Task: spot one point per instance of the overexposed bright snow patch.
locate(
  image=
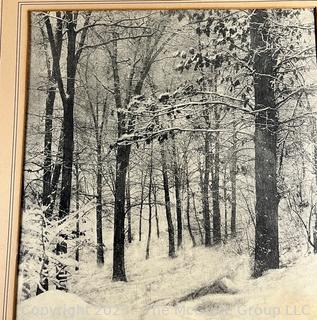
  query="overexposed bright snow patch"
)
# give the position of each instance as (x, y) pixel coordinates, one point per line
(58, 305)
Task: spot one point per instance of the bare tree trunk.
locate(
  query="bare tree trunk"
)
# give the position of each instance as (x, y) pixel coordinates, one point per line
(205, 191)
(56, 175)
(68, 142)
(47, 174)
(177, 181)
(122, 163)
(125, 125)
(266, 125)
(98, 128)
(128, 210)
(147, 256)
(68, 116)
(141, 207)
(188, 208)
(99, 224)
(49, 109)
(197, 219)
(233, 180)
(170, 227)
(156, 210)
(215, 186)
(225, 202)
(77, 209)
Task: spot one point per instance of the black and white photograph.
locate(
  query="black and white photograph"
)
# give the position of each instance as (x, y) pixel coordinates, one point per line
(170, 166)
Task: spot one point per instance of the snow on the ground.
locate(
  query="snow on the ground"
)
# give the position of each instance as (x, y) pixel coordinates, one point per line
(57, 305)
(288, 293)
(159, 279)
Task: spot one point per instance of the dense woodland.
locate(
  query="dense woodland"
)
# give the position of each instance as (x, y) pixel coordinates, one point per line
(184, 128)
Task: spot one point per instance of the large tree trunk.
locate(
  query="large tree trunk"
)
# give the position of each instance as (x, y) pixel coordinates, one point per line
(205, 191)
(68, 123)
(177, 182)
(170, 227)
(122, 163)
(215, 186)
(266, 125)
(49, 109)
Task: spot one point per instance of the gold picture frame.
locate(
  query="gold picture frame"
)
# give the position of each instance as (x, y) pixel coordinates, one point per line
(13, 80)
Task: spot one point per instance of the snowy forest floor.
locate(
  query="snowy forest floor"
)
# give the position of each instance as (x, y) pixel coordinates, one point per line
(156, 286)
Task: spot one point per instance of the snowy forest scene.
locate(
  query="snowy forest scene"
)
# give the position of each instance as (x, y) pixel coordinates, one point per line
(170, 166)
